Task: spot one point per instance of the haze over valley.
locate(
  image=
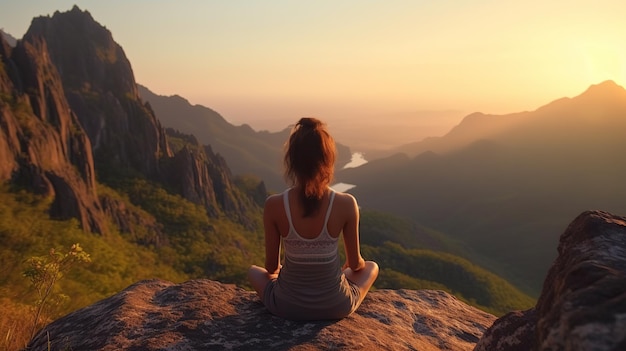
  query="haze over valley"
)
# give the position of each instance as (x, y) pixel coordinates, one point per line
(506, 186)
(464, 184)
(503, 187)
(381, 74)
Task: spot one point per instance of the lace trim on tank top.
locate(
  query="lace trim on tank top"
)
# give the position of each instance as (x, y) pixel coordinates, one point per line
(319, 250)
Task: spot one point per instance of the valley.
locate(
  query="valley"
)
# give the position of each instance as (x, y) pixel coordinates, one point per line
(154, 186)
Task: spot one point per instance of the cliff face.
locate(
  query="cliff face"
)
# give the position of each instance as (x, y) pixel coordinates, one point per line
(9, 142)
(43, 145)
(203, 177)
(70, 109)
(101, 90)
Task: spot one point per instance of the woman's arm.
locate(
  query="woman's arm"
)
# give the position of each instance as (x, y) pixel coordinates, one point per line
(272, 235)
(354, 260)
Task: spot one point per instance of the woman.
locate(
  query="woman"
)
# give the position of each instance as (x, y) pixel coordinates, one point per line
(308, 218)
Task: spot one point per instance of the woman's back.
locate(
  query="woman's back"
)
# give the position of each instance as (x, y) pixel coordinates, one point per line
(311, 226)
(311, 284)
(307, 221)
(314, 247)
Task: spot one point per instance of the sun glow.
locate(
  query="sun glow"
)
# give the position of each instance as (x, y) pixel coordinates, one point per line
(604, 62)
(265, 63)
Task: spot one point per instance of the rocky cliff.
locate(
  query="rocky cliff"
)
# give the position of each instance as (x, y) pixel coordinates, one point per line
(42, 144)
(101, 90)
(582, 307)
(583, 302)
(71, 110)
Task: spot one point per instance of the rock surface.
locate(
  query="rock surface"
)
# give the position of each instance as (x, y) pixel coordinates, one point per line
(583, 302)
(208, 315)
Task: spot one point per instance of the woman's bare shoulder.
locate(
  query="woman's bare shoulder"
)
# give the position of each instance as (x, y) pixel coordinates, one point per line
(274, 200)
(345, 199)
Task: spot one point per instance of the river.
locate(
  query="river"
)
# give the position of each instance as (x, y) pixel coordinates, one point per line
(357, 160)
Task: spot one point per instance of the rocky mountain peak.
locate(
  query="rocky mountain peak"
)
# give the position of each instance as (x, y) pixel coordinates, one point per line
(85, 53)
(100, 87)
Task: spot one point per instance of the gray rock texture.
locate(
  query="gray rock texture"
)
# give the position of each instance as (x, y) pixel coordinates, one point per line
(208, 315)
(583, 302)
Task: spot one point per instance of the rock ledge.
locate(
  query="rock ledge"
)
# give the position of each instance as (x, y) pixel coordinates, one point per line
(206, 315)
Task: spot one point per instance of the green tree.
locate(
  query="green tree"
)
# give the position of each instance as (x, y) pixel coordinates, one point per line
(43, 272)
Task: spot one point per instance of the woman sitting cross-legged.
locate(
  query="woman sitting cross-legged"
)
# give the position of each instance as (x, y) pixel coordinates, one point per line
(308, 218)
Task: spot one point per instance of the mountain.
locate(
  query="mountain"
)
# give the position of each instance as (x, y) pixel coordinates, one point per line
(42, 144)
(84, 159)
(100, 87)
(74, 132)
(506, 185)
(247, 151)
(125, 134)
(9, 38)
(481, 126)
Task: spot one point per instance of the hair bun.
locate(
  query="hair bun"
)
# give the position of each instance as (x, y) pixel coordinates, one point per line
(308, 122)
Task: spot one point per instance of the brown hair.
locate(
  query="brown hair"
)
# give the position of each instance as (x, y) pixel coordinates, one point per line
(309, 161)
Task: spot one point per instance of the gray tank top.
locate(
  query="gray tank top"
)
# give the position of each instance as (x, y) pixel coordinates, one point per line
(319, 250)
(311, 284)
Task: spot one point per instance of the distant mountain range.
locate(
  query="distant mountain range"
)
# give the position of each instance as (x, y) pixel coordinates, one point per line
(506, 186)
(247, 151)
(593, 104)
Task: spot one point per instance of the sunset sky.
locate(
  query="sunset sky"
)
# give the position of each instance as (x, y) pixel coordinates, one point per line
(259, 61)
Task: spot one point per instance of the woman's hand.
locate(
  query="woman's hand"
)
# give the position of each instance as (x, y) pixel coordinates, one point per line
(360, 265)
(274, 275)
(275, 272)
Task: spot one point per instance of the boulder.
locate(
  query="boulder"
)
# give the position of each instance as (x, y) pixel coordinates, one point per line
(208, 315)
(583, 302)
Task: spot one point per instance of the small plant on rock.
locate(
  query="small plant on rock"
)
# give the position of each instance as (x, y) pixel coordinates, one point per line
(43, 272)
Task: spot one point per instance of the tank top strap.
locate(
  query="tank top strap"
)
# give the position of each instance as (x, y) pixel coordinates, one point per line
(330, 207)
(288, 209)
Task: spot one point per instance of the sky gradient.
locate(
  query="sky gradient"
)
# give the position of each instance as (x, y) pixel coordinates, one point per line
(267, 62)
